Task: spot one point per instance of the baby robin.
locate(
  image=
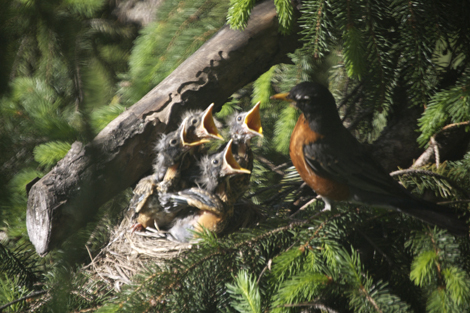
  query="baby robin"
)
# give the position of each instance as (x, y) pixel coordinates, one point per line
(209, 205)
(196, 129)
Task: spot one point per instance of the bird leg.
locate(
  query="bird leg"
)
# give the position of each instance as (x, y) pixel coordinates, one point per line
(137, 227)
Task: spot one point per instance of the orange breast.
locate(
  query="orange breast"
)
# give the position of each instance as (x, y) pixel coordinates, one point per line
(209, 220)
(145, 220)
(302, 136)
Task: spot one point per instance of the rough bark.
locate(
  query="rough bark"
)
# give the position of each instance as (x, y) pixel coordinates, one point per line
(70, 194)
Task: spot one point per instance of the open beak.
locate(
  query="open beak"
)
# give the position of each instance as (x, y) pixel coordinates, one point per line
(186, 142)
(282, 96)
(207, 128)
(230, 166)
(253, 121)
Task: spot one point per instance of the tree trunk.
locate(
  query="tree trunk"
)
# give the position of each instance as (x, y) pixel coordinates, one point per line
(70, 194)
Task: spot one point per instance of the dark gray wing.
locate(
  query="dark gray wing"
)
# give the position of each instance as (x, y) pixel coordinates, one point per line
(343, 159)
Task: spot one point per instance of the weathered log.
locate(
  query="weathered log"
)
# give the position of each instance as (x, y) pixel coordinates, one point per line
(70, 194)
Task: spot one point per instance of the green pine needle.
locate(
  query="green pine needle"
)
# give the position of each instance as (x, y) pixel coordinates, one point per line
(50, 153)
(239, 13)
(437, 302)
(102, 116)
(285, 13)
(245, 293)
(262, 88)
(299, 288)
(423, 267)
(283, 129)
(457, 285)
(451, 105)
(354, 53)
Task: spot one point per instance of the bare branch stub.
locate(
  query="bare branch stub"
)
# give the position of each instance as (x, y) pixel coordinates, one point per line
(68, 196)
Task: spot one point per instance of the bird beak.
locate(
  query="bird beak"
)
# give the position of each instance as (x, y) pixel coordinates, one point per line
(253, 121)
(282, 96)
(186, 142)
(208, 129)
(230, 165)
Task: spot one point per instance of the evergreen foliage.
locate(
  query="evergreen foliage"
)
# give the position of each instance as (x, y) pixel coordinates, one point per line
(448, 105)
(181, 27)
(50, 153)
(245, 293)
(239, 13)
(71, 68)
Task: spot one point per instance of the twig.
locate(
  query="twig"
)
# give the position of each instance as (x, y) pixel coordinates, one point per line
(455, 125)
(426, 156)
(101, 251)
(435, 147)
(34, 294)
(282, 165)
(429, 173)
(271, 166)
(270, 261)
(454, 201)
(93, 262)
(151, 234)
(370, 299)
(305, 205)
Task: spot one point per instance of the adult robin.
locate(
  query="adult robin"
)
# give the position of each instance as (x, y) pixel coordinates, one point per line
(338, 168)
(196, 129)
(211, 204)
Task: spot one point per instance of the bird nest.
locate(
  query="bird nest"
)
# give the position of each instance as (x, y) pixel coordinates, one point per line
(128, 253)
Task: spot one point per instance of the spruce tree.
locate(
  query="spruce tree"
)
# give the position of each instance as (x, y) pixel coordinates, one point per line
(381, 60)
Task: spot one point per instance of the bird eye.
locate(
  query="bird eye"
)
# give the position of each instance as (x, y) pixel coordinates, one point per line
(173, 142)
(194, 121)
(215, 162)
(239, 118)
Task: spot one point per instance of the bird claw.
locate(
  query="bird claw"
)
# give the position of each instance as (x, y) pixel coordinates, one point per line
(137, 227)
(156, 226)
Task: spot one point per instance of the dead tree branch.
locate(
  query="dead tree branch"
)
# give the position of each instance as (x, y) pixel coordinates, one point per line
(70, 194)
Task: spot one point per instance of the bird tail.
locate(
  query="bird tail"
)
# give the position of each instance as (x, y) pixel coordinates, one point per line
(431, 213)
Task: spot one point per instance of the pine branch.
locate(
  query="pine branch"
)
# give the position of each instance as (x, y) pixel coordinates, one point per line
(412, 171)
(32, 295)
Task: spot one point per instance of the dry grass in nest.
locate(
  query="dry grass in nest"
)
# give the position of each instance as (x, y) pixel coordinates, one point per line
(128, 253)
